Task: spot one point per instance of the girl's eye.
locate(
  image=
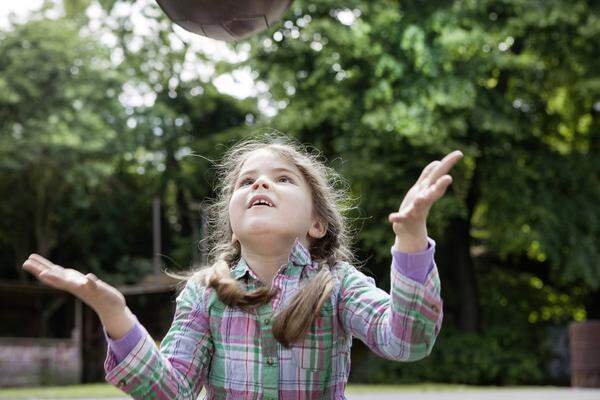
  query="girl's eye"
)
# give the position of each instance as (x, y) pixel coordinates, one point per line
(243, 182)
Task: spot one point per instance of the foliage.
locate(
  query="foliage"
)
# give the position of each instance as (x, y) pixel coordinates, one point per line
(59, 118)
(498, 357)
(95, 155)
(92, 131)
(514, 348)
(391, 85)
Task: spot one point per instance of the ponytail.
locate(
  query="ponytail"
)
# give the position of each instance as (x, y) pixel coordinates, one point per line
(330, 203)
(291, 323)
(229, 291)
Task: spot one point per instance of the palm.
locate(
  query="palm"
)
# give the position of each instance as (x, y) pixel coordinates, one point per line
(430, 186)
(91, 290)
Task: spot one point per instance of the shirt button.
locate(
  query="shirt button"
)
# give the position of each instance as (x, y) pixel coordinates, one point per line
(267, 321)
(434, 308)
(270, 361)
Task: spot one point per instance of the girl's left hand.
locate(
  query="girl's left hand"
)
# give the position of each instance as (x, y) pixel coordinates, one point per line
(409, 221)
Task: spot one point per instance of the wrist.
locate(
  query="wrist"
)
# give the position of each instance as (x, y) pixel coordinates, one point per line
(106, 312)
(411, 244)
(118, 323)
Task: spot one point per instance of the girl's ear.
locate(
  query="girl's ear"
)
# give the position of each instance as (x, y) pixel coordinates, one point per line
(318, 229)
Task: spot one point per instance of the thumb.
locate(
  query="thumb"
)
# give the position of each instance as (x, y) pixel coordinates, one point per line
(91, 280)
(394, 217)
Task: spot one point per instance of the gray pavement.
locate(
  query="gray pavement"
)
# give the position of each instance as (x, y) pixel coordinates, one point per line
(501, 394)
(490, 394)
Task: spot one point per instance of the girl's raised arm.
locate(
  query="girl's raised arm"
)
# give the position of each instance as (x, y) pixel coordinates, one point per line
(175, 371)
(404, 324)
(104, 299)
(401, 325)
(179, 369)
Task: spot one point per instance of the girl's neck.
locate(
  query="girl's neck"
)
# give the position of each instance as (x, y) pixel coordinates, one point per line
(266, 258)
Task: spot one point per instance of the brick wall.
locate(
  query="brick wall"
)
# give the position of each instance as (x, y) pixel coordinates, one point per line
(36, 362)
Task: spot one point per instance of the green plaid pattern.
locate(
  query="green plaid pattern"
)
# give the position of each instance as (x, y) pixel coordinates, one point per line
(233, 354)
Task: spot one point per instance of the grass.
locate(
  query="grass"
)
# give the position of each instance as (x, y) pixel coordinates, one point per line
(52, 392)
(102, 390)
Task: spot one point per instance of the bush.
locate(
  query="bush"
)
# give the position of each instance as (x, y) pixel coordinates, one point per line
(502, 356)
(517, 344)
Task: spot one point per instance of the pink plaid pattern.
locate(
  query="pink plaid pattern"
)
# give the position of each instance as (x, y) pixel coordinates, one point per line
(233, 354)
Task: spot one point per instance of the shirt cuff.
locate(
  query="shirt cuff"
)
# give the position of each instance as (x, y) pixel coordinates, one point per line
(122, 347)
(415, 265)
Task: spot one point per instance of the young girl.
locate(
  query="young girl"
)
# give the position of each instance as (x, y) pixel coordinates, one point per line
(274, 315)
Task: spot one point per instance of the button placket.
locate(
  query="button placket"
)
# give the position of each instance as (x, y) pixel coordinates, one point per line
(270, 371)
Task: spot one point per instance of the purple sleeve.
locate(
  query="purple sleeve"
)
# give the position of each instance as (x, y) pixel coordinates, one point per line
(122, 347)
(415, 265)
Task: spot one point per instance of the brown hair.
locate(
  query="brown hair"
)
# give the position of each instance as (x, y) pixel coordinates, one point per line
(330, 204)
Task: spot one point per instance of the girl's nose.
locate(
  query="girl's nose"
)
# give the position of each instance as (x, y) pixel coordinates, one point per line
(260, 181)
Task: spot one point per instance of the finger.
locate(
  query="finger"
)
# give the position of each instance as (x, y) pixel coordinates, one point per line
(403, 215)
(427, 171)
(442, 169)
(48, 276)
(424, 198)
(436, 189)
(433, 193)
(52, 278)
(45, 262)
(68, 279)
(423, 201)
(33, 266)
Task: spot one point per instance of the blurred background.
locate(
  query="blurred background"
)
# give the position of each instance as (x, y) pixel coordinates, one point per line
(110, 115)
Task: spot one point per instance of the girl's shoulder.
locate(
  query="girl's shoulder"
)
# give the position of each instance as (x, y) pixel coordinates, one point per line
(196, 292)
(343, 271)
(347, 275)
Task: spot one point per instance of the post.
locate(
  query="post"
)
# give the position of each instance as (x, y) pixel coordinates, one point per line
(77, 337)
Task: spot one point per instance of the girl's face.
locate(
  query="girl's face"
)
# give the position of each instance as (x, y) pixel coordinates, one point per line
(266, 174)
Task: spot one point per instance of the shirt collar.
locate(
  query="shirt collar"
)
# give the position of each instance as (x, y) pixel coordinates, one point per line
(299, 256)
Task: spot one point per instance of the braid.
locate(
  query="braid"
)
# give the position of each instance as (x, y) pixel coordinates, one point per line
(293, 322)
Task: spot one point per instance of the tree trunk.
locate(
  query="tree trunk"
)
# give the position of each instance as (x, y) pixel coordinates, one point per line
(457, 244)
(184, 211)
(460, 267)
(45, 235)
(21, 243)
(592, 305)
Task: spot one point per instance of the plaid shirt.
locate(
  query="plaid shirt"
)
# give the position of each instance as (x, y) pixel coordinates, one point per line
(234, 355)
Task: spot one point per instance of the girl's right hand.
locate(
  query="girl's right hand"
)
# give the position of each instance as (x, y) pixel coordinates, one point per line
(100, 296)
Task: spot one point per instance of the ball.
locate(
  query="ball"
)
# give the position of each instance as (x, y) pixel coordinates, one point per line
(227, 20)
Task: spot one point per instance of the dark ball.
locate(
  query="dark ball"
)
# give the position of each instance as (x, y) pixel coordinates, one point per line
(226, 20)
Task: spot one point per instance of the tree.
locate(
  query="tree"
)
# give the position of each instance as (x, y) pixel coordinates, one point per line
(59, 118)
(390, 85)
(97, 154)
